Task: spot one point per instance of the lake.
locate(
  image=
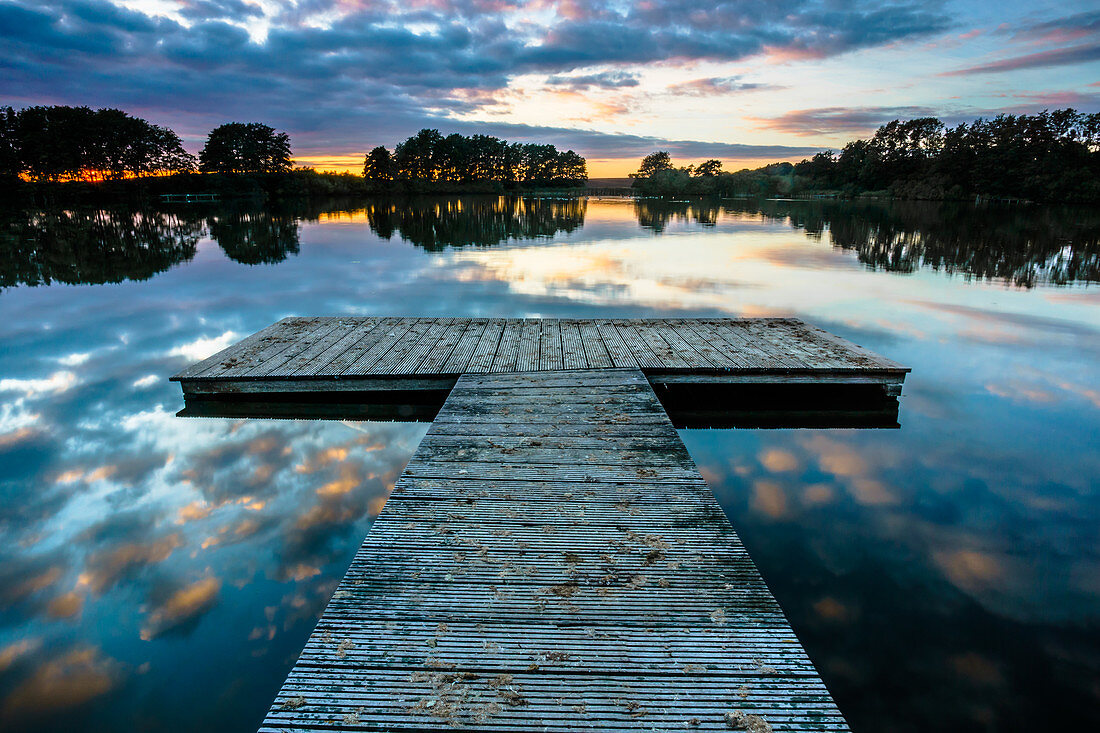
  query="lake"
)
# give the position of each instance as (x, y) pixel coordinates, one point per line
(162, 573)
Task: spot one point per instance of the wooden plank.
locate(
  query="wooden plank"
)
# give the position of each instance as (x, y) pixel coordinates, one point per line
(356, 346)
(550, 346)
(306, 342)
(243, 361)
(639, 349)
(434, 338)
(748, 347)
(422, 328)
(621, 355)
(302, 362)
(486, 347)
(687, 346)
(440, 353)
(572, 350)
(328, 362)
(464, 350)
(545, 564)
(595, 350)
(373, 352)
(508, 350)
(527, 359)
(669, 356)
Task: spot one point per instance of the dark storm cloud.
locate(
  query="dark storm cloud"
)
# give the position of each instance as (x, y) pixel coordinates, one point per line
(381, 70)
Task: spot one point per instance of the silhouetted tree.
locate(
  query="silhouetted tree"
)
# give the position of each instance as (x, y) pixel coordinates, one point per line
(653, 164)
(238, 147)
(707, 168)
(77, 143)
(10, 165)
(427, 160)
(417, 159)
(378, 165)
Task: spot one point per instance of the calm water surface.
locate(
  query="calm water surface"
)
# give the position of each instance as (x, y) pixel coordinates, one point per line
(162, 573)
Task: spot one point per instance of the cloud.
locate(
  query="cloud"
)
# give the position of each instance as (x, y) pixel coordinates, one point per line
(602, 80)
(71, 679)
(837, 120)
(1057, 30)
(1041, 59)
(715, 85)
(182, 609)
(108, 567)
(203, 347)
(56, 383)
(343, 76)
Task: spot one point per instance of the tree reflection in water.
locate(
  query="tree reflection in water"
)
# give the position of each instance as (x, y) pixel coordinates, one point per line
(1023, 246)
(436, 223)
(93, 247)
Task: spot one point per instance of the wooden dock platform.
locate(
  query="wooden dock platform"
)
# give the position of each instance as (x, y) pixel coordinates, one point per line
(366, 353)
(550, 559)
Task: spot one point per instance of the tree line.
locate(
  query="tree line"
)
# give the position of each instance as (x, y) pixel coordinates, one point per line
(60, 143)
(1050, 156)
(49, 144)
(428, 160)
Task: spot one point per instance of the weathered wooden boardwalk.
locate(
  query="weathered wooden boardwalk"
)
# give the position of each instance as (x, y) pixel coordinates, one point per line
(363, 353)
(550, 559)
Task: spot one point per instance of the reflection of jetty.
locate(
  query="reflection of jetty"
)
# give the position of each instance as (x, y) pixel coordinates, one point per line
(189, 198)
(551, 558)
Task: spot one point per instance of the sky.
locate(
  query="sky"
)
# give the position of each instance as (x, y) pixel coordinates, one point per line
(745, 82)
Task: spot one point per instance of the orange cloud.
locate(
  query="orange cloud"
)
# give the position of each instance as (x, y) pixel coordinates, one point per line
(777, 460)
(182, 606)
(194, 510)
(12, 653)
(70, 680)
(831, 609)
(970, 570)
(106, 568)
(769, 498)
(66, 605)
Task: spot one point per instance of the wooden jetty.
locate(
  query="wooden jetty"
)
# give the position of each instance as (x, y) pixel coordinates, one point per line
(189, 198)
(550, 559)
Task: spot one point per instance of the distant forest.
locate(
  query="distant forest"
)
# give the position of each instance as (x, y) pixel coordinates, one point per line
(1051, 156)
(105, 153)
(428, 159)
(59, 144)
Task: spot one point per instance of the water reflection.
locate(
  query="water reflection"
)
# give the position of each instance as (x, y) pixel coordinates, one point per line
(438, 223)
(254, 234)
(1024, 246)
(943, 576)
(93, 247)
(96, 246)
(1021, 245)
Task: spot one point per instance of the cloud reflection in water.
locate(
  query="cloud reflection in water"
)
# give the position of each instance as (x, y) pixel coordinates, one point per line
(948, 568)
